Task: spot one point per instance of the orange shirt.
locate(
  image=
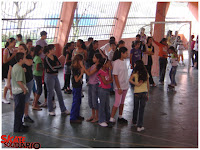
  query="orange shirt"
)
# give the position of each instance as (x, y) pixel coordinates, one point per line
(162, 50)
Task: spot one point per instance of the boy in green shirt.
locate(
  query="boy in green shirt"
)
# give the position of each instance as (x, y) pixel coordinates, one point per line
(19, 90)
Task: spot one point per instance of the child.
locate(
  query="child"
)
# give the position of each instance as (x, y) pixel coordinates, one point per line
(135, 53)
(105, 78)
(180, 49)
(52, 64)
(121, 84)
(163, 54)
(140, 93)
(19, 90)
(37, 73)
(174, 63)
(93, 86)
(77, 74)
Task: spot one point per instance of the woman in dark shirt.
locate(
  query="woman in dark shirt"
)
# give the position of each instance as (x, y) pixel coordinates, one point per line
(52, 64)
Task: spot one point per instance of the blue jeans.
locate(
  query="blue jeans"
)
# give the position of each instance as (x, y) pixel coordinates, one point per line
(172, 74)
(163, 65)
(19, 111)
(28, 94)
(52, 84)
(104, 105)
(75, 111)
(93, 96)
(139, 105)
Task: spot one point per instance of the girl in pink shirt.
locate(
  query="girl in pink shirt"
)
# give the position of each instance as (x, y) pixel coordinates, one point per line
(105, 78)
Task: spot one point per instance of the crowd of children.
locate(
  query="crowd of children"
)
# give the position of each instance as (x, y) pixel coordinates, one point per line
(107, 73)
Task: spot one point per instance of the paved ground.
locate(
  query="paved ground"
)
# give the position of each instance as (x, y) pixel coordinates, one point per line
(170, 120)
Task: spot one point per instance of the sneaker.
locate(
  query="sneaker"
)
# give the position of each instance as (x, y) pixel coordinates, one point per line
(103, 124)
(5, 101)
(76, 121)
(52, 113)
(28, 119)
(66, 112)
(39, 103)
(122, 120)
(140, 129)
(112, 120)
(81, 118)
(22, 129)
(11, 97)
(63, 88)
(43, 104)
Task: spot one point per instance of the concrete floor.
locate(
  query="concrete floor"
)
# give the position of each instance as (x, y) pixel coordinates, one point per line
(170, 120)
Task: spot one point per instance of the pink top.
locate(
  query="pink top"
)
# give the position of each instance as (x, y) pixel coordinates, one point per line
(93, 79)
(192, 45)
(106, 75)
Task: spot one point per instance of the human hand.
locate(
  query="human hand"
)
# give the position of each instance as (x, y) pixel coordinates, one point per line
(25, 91)
(24, 69)
(120, 91)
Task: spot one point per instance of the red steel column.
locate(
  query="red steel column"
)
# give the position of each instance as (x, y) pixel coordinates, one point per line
(193, 6)
(121, 15)
(66, 19)
(159, 31)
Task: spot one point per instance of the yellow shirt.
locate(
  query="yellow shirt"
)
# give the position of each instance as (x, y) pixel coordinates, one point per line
(143, 87)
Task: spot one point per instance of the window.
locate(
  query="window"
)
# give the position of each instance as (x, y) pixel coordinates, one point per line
(140, 15)
(93, 19)
(29, 19)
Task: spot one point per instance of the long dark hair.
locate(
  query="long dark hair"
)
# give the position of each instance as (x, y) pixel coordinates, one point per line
(82, 43)
(10, 40)
(91, 46)
(48, 48)
(117, 53)
(76, 59)
(141, 70)
(149, 37)
(65, 48)
(102, 61)
(99, 57)
(120, 42)
(163, 40)
(37, 49)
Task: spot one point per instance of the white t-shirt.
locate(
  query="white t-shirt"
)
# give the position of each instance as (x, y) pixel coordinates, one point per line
(106, 48)
(120, 68)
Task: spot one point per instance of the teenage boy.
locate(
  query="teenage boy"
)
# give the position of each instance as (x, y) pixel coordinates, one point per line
(19, 90)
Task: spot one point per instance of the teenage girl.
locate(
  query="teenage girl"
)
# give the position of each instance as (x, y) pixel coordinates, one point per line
(37, 74)
(121, 84)
(77, 74)
(105, 78)
(52, 64)
(93, 86)
(68, 56)
(8, 54)
(148, 61)
(140, 93)
(163, 54)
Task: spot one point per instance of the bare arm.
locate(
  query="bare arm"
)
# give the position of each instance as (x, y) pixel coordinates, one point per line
(22, 87)
(135, 83)
(5, 59)
(104, 80)
(77, 78)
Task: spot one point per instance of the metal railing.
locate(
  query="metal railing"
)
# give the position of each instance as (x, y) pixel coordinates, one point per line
(29, 19)
(93, 19)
